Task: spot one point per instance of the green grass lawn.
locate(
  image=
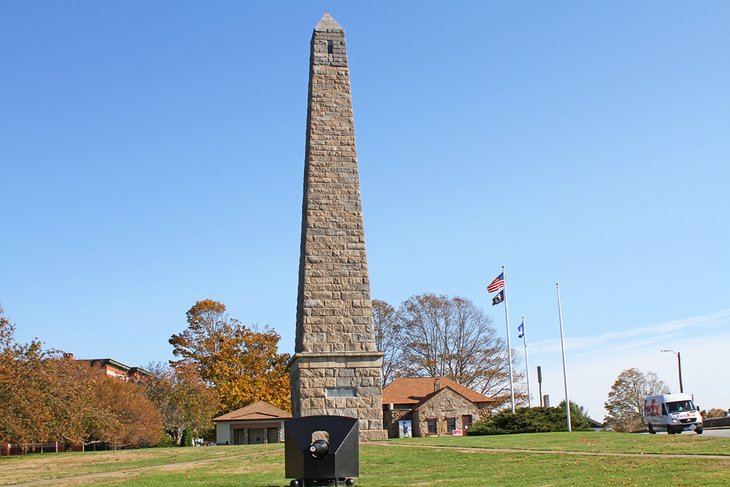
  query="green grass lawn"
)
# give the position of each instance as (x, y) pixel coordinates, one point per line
(401, 463)
(590, 441)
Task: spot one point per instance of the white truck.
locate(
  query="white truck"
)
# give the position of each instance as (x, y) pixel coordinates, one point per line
(673, 412)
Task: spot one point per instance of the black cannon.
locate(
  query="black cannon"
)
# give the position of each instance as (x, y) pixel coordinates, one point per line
(322, 451)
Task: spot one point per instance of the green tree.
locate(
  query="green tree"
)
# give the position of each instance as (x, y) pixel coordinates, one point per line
(625, 404)
(187, 438)
(241, 363)
(578, 416)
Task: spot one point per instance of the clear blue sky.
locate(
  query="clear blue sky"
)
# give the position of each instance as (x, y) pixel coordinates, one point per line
(151, 155)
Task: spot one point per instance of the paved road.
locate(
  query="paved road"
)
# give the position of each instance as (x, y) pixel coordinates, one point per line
(719, 432)
(722, 432)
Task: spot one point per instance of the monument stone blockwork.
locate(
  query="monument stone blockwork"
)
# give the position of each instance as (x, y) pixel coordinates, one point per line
(336, 368)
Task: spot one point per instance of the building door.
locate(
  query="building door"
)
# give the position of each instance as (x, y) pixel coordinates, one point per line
(273, 435)
(466, 422)
(256, 436)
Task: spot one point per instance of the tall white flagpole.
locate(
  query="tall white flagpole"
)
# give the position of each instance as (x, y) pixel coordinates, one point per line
(509, 344)
(565, 371)
(527, 364)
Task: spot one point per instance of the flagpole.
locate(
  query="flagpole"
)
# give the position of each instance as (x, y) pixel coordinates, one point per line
(527, 364)
(565, 372)
(509, 344)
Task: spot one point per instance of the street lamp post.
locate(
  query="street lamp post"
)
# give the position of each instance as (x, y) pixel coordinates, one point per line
(679, 366)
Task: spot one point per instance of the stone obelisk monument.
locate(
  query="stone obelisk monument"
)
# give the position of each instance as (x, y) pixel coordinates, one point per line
(336, 368)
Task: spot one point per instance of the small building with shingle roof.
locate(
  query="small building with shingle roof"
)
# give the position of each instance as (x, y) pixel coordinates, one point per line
(256, 423)
(431, 406)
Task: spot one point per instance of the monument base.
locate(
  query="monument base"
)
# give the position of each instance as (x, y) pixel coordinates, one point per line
(340, 384)
(373, 435)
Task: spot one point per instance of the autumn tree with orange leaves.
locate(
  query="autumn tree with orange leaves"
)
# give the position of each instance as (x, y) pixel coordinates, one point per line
(47, 396)
(185, 402)
(241, 363)
(23, 401)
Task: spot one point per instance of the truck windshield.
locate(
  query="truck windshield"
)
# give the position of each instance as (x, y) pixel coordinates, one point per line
(680, 406)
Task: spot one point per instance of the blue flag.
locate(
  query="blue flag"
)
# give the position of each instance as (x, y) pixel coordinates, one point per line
(521, 329)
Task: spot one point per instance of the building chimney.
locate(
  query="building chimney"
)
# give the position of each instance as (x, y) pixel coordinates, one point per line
(436, 385)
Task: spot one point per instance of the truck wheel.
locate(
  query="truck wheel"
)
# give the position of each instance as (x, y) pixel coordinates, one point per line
(651, 429)
(670, 430)
(698, 431)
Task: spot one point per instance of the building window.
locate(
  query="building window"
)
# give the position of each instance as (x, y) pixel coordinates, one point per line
(330, 47)
(431, 426)
(450, 424)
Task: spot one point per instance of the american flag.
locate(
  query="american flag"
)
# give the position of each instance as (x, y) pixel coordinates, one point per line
(497, 283)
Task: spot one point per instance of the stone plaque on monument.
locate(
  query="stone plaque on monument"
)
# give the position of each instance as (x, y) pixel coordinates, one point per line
(336, 368)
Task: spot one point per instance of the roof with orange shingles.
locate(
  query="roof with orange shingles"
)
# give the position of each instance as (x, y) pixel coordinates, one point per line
(256, 411)
(414, 390)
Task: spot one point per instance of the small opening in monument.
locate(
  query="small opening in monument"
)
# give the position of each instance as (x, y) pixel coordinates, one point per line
(330, 47)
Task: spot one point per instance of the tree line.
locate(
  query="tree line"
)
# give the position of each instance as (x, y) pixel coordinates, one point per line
(221, 365)
(47, 396)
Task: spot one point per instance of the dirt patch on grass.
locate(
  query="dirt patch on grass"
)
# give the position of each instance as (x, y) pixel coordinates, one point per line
(56, 466)
(125, 473)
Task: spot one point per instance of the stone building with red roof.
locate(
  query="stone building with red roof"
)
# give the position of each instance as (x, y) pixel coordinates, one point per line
(256, 423)
(428, 406)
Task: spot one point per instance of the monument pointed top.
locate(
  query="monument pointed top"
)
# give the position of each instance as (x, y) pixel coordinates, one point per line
(328, 24)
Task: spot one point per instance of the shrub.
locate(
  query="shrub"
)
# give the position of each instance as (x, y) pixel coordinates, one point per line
(531, 420)
(713, 413)
(166, 441)
(187, 438)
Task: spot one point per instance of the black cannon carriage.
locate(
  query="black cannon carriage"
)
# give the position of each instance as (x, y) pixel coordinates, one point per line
(322, 451)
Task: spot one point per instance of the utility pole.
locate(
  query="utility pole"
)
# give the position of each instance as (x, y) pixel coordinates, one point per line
(565, 371)
(679, 367)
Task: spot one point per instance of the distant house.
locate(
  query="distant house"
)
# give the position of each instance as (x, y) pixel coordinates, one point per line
(427, 406)
(595, 424)
(118, 370)
(256, 423)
